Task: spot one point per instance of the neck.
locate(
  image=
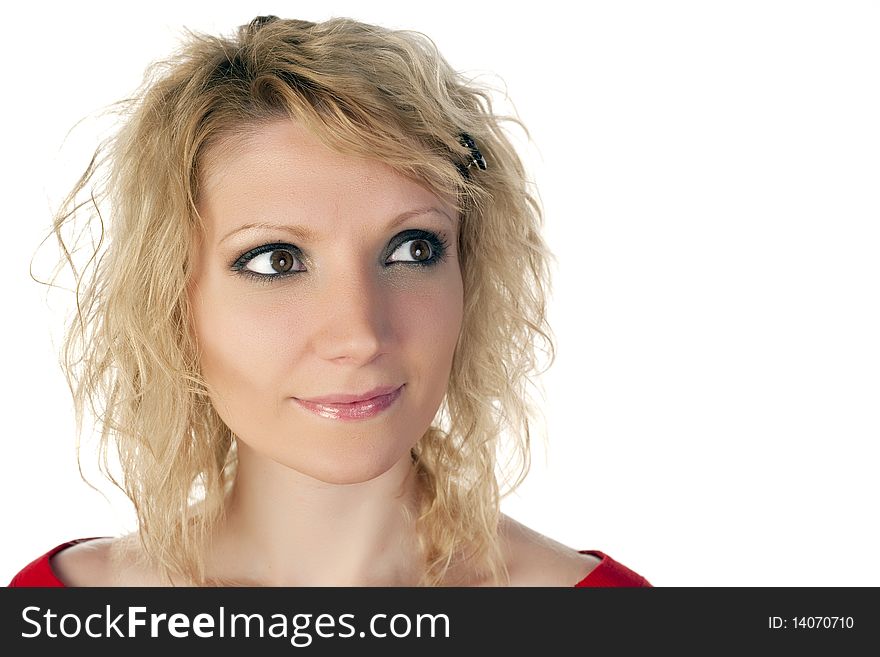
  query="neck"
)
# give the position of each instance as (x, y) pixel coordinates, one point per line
(284, 528)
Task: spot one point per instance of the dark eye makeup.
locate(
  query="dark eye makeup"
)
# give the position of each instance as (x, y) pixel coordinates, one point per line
(284, 260)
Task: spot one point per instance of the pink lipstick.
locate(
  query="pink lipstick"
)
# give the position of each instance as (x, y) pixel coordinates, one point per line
(331, 408)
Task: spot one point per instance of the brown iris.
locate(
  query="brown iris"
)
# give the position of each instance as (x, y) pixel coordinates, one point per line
(420, 250)
(281, 261)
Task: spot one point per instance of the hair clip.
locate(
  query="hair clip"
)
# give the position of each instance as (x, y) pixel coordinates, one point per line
(476, 156)
(260, 21)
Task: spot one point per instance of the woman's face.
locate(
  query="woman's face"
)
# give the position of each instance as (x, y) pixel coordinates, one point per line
(323, 274)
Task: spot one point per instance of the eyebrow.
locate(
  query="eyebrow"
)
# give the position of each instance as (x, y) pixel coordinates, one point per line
(304, 234)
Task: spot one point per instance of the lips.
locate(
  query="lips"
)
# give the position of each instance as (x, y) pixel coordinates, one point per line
(356, 410)
(343, 398)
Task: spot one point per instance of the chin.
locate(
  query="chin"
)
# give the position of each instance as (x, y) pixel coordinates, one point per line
(352, 468)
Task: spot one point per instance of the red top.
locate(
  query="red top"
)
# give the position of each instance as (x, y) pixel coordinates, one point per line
(608, 573)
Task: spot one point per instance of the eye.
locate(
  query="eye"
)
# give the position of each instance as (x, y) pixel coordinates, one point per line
(269, 260)
(278, 261)
(417, 250)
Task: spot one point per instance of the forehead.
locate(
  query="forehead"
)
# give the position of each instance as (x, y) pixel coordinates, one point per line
(280, 172)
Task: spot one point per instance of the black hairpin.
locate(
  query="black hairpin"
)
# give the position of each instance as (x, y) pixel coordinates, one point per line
(476, 156)
(260, 21)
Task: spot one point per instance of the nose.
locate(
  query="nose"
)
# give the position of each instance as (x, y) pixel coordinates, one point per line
(355, 325)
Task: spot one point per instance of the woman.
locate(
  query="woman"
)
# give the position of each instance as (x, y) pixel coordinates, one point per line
(312, 323)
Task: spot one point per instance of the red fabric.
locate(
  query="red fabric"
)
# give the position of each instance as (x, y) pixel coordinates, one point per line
(610, 573)
(38, 573)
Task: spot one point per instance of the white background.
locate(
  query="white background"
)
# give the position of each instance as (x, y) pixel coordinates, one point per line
(709, 173)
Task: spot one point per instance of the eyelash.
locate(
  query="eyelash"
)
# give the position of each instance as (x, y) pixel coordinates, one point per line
(437, 241)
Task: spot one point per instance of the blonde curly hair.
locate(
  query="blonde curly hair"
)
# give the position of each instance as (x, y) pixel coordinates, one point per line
(130, 352)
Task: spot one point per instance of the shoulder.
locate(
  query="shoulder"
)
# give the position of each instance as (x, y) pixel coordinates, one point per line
(86, 562)
(41, 571)
(536, 560)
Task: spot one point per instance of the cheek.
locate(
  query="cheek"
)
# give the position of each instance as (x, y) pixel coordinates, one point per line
(436, 319)
(428, 322)
(239, 337)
